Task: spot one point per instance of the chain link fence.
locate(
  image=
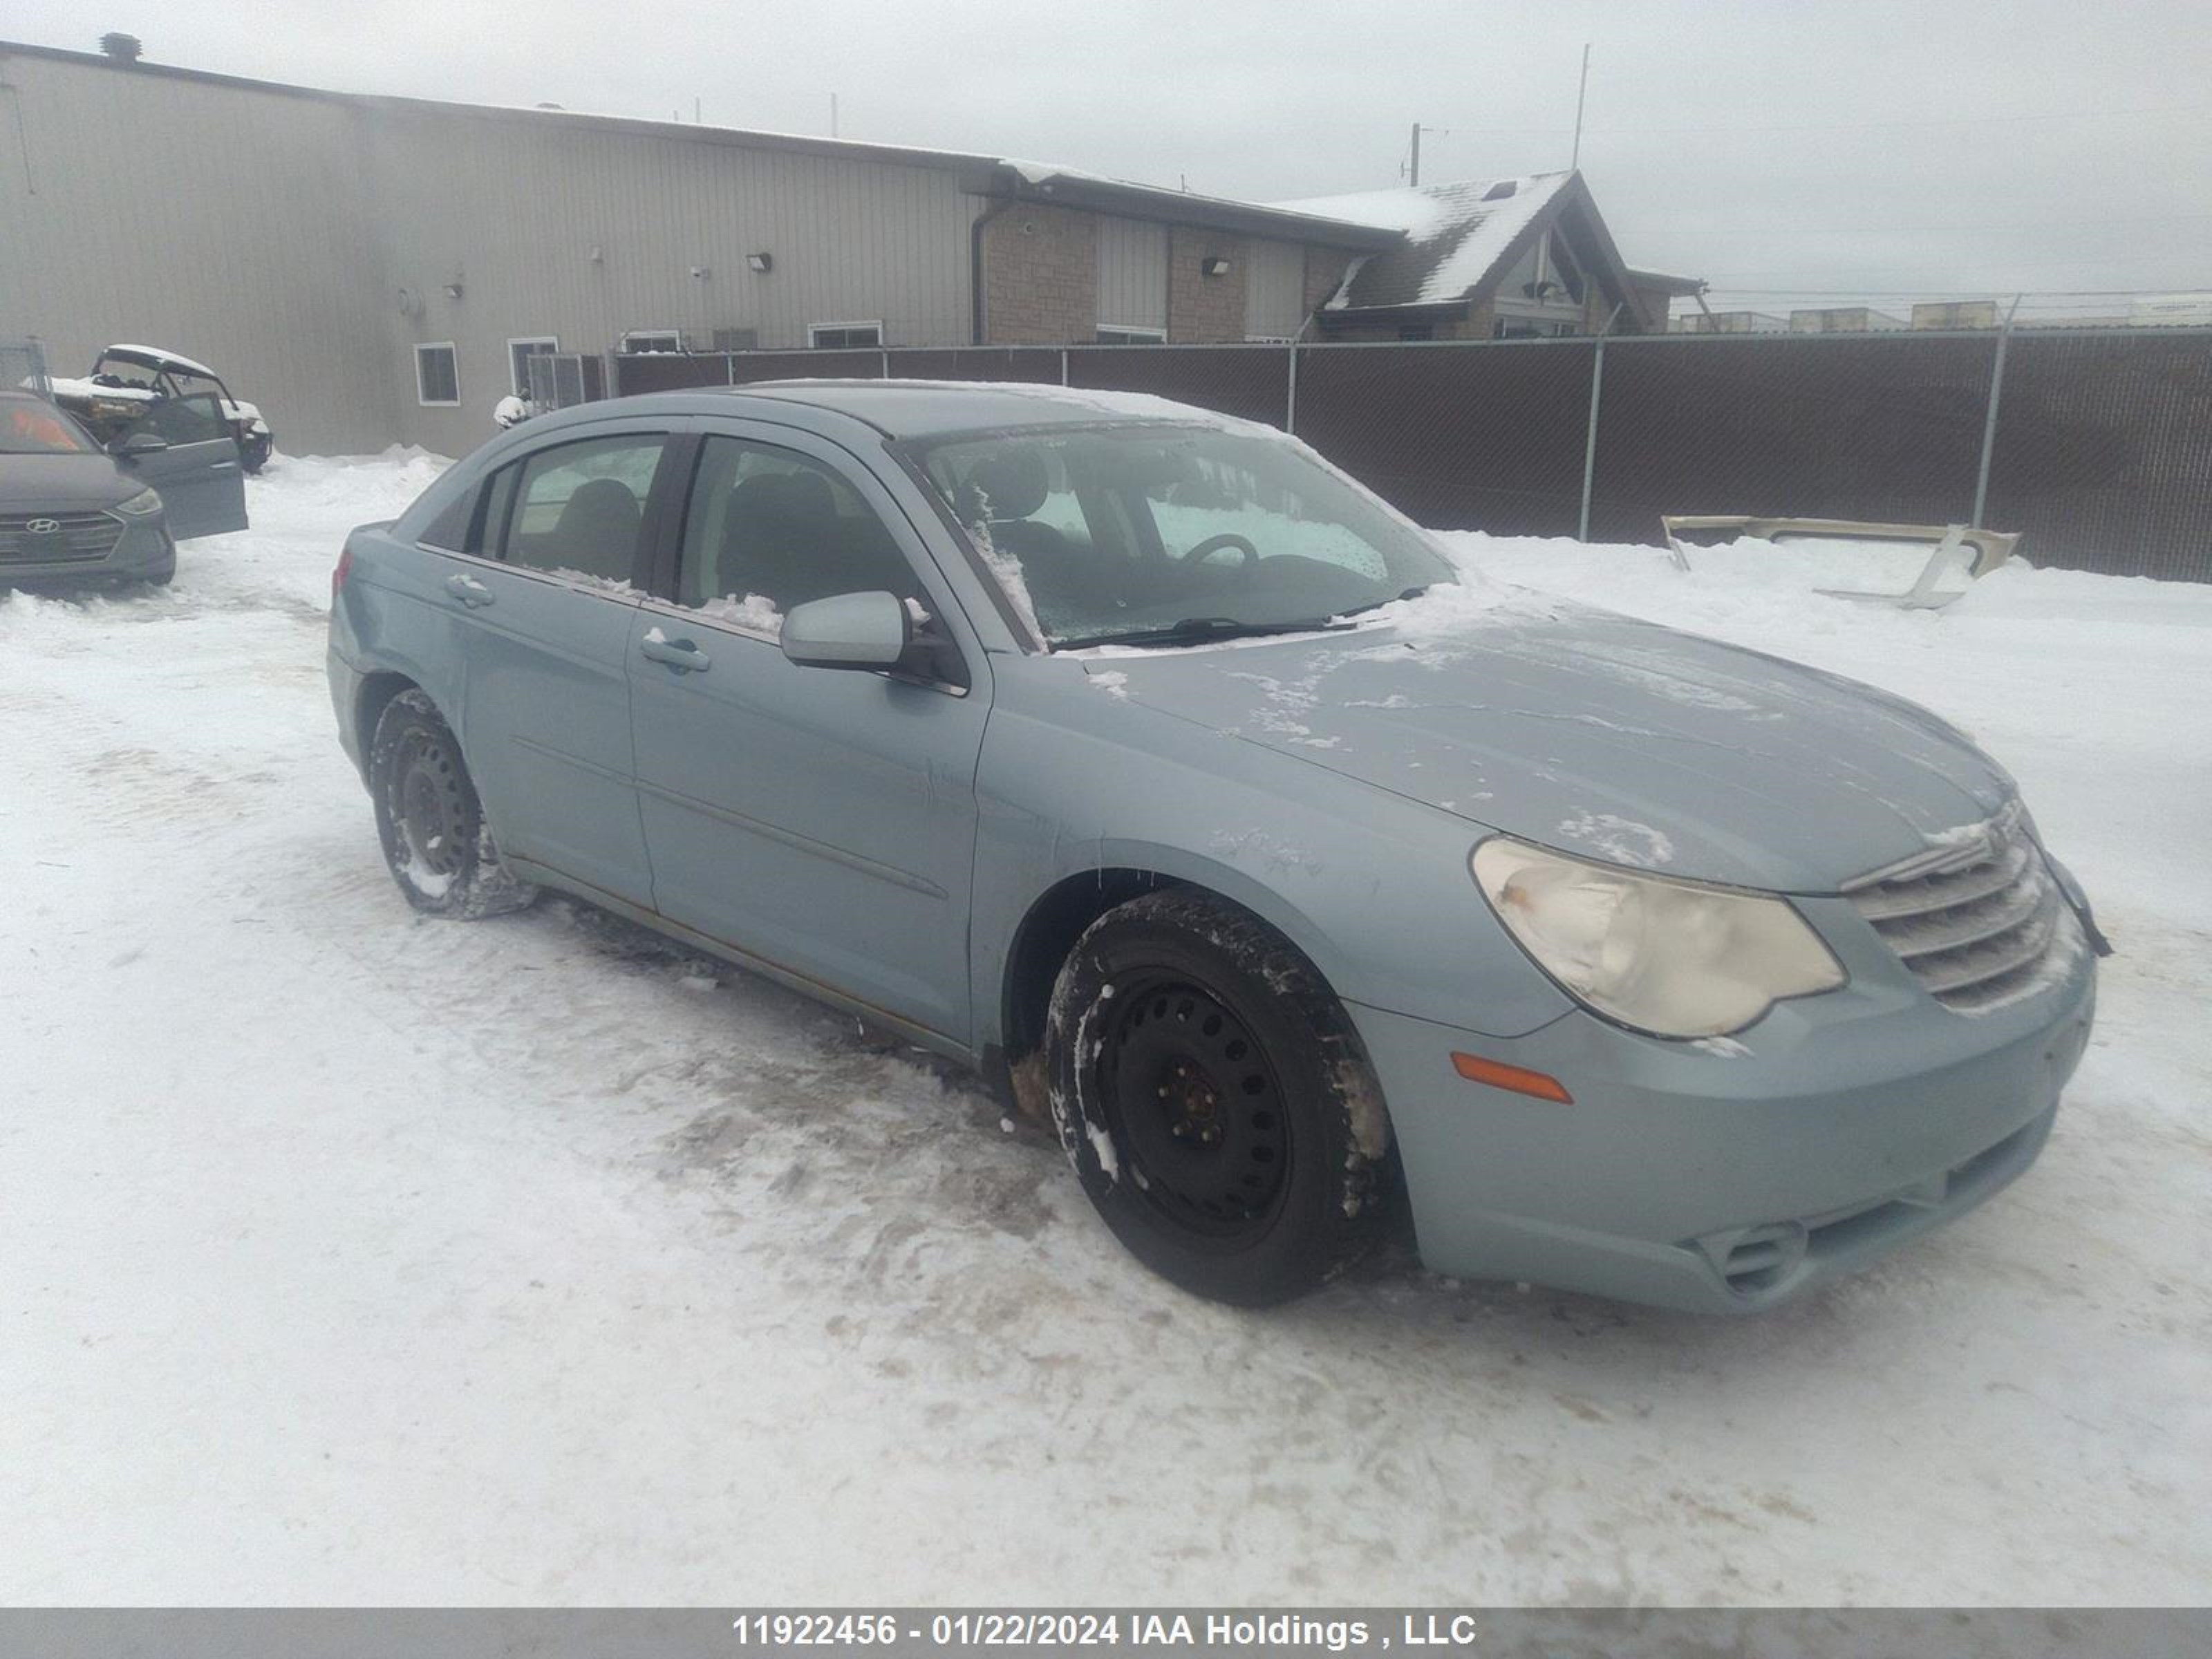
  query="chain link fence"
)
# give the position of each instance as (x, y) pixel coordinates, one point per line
(23, 367)
(2095, 443)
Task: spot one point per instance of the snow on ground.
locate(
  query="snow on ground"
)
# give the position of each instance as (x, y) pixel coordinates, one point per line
(353, 1257)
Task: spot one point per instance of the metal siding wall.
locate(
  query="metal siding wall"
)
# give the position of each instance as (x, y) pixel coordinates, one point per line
(1275, 288)
(271, 234)
(850, 241)
(1133, 273)
(216, 222)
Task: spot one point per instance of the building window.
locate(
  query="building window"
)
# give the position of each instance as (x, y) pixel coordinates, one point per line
(1126, 334)
(664, 342)
(437, 375)
(1417, 330)
(838, 336)
(518, 353)
(1524, 328)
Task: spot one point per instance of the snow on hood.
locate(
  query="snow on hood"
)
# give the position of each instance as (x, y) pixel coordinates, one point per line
(1596, 734)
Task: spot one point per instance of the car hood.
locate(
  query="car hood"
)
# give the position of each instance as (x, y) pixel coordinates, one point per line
(62, 482)
(1596, 734)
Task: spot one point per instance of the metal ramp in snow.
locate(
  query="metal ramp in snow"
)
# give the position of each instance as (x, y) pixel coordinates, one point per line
(1958, 555)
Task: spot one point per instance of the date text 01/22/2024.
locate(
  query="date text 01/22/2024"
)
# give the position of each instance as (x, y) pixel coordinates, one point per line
(1232, 1630)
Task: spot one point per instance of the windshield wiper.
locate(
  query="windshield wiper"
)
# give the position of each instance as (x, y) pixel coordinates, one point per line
(1193, 631)
(1376, 604)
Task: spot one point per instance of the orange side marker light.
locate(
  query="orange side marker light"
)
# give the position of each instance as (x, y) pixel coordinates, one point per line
(1520, 1080)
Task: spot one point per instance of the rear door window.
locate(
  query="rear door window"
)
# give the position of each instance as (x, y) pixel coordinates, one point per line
(578, 510)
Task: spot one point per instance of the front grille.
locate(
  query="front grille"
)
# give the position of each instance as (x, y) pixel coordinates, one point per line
(74, 536)
(1976, 919)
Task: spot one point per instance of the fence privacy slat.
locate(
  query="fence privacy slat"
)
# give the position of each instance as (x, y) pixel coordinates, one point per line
(2102, 454)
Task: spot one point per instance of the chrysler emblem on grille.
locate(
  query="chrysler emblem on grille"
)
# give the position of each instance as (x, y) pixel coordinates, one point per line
(43, 527)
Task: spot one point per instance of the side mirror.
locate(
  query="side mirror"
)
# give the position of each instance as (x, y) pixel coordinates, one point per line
(847, 630)
(140, 443)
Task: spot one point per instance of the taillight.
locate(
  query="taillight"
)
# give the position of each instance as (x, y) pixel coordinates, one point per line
(339, 571)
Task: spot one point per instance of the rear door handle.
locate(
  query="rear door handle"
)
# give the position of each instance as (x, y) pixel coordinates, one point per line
(677, 653)
(469, 590)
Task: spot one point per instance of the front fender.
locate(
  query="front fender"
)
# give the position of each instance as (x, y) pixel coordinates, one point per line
(1373, 887)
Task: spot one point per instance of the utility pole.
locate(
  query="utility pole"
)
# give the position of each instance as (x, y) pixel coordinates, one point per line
(1581, 91)
(833, 115)
(1413, 166)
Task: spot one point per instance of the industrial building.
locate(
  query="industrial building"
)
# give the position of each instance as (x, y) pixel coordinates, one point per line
(373, 269)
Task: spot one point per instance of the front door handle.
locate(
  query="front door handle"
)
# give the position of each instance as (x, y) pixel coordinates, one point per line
(469, 590)
(680, 655)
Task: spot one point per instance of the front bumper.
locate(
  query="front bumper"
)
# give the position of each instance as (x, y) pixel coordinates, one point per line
(1717, 1181)
(142, 549)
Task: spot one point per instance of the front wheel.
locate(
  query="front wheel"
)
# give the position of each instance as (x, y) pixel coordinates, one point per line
(436, 840)
(1215, 1100)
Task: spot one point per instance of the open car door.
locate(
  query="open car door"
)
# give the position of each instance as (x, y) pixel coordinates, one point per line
(183, 447)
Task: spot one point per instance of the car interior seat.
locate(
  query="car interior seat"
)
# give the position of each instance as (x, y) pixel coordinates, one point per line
(783, 539)
(597, 531)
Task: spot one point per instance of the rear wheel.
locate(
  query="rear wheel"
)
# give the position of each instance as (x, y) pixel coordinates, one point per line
(1214, 1099)
(436, 841)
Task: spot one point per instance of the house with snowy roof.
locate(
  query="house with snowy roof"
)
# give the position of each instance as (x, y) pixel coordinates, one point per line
(1488, 259)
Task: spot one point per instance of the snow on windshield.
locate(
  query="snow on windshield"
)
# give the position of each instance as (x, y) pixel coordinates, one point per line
(1104, 532)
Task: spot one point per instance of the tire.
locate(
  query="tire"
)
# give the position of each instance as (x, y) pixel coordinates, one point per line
(1215, 1100)
(436, 842)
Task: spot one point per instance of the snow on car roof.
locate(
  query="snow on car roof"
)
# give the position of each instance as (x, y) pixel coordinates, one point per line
(160, 357)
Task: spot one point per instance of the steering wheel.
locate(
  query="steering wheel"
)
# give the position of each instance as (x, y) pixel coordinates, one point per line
(1188, 566)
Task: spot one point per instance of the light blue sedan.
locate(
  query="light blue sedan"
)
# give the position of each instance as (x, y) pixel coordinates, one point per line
(1144, 762)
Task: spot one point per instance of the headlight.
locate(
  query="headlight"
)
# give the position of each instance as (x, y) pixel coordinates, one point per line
(1675, 958)
(140, 505)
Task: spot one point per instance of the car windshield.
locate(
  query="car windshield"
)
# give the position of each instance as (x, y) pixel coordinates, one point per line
(1158, 534)
(29, 428)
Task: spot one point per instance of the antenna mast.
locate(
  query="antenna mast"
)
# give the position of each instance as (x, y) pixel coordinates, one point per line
(1411, 168)
(1581, 91)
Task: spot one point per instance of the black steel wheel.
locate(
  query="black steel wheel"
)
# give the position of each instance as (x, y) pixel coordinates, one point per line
(1212, 1096)
(1185, 1086)
(436, 841)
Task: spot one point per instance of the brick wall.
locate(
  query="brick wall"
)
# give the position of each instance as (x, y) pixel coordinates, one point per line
(1040, 275)
(1041, 279)
(1200, 307)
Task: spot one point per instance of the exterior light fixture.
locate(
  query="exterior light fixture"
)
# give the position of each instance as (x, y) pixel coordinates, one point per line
(452, 290)
(760, 262)
(1213, 265)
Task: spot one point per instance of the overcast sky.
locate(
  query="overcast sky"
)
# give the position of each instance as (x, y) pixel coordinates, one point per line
(1789, 147)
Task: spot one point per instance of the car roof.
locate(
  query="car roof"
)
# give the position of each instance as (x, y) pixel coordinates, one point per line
(925, 409)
